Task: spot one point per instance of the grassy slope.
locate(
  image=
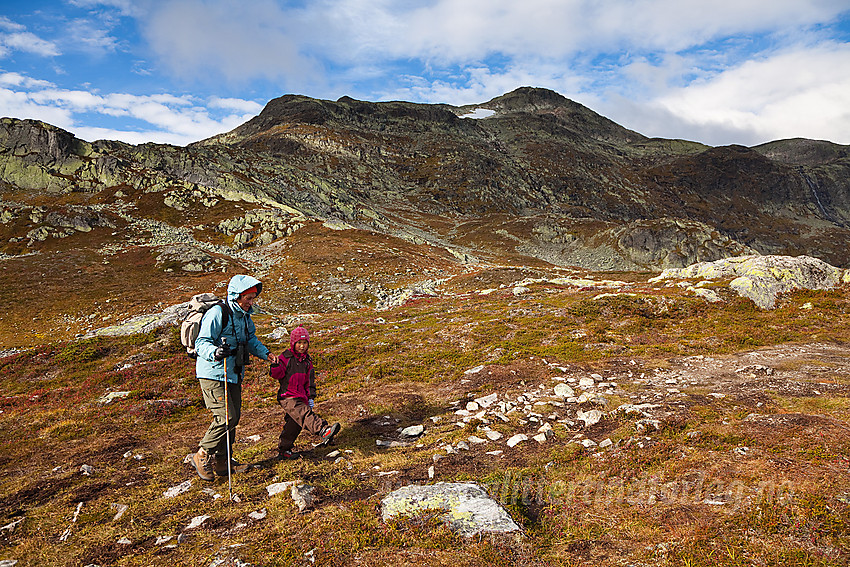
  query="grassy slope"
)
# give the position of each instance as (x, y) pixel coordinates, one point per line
(409, 367)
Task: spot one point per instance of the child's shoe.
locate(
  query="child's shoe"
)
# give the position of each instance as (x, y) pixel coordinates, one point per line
(329, 432)
(287, 455)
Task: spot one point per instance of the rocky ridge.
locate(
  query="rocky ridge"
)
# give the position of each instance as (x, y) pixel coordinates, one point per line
(540, 177)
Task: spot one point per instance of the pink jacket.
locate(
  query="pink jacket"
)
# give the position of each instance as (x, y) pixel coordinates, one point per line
(295, 374)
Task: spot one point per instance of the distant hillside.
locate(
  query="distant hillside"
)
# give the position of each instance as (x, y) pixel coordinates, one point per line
(541, 180)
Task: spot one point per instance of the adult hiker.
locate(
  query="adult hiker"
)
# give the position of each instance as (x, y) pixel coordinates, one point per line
(225, 341)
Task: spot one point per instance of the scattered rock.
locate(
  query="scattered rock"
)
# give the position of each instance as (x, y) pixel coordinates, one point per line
(589, 418)
(564, 391)
(197, 522)
(517, 439)
(259, 514)
(10, 528)
(112, 396)
(278, 487)
(303, 496)
(87, 470)
(413, 431)
(121, 508)
(386, 443)
(755, 370)
(178, 490)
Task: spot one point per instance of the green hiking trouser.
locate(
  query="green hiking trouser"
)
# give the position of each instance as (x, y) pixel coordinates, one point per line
(215, 439)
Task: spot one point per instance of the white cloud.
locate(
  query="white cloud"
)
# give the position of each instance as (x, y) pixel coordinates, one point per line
(247, 106)
(126, 7)
(9, 25)
(457, 32)
(18, 80)
(85, 35)
(796, 93)
(234, 40)
(28, 42)
(171, 119)
(20, 105)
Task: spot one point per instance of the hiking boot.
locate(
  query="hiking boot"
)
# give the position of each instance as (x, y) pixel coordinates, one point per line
(235, 466)
(329, 432)
(204, 463)
(287, 455)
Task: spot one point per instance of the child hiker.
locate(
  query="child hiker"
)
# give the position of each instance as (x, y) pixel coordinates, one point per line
(294, 370)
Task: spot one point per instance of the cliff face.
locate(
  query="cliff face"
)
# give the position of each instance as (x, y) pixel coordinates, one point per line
(541, 176)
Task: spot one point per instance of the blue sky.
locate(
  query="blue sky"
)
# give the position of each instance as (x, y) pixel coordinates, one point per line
(177, 71)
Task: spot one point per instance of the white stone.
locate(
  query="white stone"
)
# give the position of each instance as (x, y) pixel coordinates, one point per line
(472, 407)
(413, 431)
(124, 541)
(475, 370)
(495, 453)
(588, 443)
(476, 440)
(589, 418)
(469, 509)
(278, 487)
(163, 539)
(606, 443)
(586, 382)
(431, 471)
(259, 514)
(112, 396)
(177, 490)
(462, 446)
(516, 439)
(487, 401)
(564, 391)
(302, 495)
(584, 398)
(197, 522)
(494, 435)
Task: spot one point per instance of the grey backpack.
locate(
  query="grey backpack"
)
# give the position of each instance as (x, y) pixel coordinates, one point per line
(191, 325)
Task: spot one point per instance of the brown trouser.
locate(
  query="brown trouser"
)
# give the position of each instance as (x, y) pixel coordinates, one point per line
(215, 439)
(299, 416)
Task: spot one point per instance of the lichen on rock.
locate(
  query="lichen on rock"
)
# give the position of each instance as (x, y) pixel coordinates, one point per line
(762, 278)
(469, 510)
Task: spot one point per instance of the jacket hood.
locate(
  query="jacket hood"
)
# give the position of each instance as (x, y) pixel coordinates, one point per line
(238, 284)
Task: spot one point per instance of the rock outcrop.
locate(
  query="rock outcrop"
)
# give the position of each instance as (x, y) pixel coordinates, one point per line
(763, 278)
(541, 176)
(469, 510)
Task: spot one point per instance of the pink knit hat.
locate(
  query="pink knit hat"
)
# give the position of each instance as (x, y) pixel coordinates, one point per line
(298, 333)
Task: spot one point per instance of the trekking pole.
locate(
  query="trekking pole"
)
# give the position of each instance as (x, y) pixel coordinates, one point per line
(227, 424)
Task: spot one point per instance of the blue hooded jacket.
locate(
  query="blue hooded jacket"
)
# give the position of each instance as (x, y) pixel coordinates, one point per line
(239, 329)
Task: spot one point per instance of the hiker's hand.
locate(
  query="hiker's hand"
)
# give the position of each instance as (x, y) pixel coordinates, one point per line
(222, 352)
